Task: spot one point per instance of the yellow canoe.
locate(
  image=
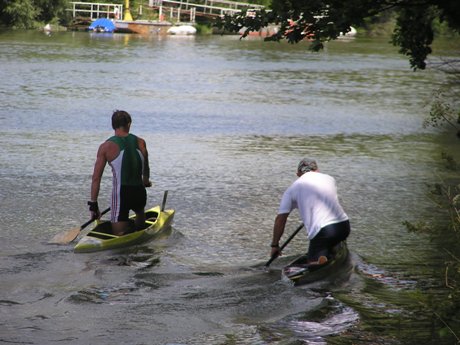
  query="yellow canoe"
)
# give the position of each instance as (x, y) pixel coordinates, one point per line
(101, 237)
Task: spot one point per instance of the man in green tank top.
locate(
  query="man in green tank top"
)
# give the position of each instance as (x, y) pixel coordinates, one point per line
(128, 157)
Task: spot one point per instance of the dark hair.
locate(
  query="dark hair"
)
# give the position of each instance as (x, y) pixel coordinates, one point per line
(306, 165)
(120, 118)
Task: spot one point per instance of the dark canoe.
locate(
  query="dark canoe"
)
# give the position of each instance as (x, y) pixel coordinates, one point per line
(300, 273)
(101, 237)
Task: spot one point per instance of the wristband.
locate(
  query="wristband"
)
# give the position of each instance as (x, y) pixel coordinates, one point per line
(93, 206)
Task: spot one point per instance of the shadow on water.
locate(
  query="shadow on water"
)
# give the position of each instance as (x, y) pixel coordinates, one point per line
(232, 304)
(358, 304)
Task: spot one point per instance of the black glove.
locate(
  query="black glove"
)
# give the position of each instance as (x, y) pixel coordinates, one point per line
(94, 209)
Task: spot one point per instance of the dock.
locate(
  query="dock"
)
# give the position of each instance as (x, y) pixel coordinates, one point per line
(169, 12)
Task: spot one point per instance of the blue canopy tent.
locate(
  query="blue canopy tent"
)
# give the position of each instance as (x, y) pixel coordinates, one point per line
(102, 25)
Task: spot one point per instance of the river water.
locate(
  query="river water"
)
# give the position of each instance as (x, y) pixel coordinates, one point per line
(226, 122)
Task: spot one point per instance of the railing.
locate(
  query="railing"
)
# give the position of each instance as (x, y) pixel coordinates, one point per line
(96, 10)
(192, 7)
(210, 7)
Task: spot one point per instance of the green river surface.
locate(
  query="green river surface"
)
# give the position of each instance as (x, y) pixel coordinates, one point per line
(226, 121)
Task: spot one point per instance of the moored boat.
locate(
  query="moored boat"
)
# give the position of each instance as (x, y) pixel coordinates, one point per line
(182, 30)
(100, 237)
(299, 272)
(102, 25)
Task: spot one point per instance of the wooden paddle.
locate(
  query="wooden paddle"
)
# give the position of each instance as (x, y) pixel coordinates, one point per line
(68, 236)
(284, 245)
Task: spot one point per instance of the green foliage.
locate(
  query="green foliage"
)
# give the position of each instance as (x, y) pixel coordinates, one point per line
(203, 29)
(451, 164)
(442, 28)
(382, 24)
(441, 112)
(51, 9)
(446, 307)
(19, 14)
(265, 3)
(420, 227)
(324, 20)
(449, 12)
(414, 34)
(25, 14)
(448, 198)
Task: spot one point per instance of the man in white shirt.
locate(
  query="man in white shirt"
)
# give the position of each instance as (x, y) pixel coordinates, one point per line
(314, 194)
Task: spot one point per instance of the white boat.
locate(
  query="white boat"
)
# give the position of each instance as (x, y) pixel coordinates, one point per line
(350, 34)
(182, 30)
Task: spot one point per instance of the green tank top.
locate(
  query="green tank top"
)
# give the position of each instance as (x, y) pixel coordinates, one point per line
(127, 167)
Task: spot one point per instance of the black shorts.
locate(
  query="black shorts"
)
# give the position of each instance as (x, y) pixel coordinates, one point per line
(327, 238)
(131, 198)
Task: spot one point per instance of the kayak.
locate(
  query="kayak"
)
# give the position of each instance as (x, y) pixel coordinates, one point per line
(101, 237)
(299, 272)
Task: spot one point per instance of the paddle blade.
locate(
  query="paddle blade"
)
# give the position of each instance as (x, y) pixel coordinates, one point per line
(65, 237)
(69, 235)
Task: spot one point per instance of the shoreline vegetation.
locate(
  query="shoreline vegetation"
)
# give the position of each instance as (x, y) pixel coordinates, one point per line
(23, 15)
(445, 195)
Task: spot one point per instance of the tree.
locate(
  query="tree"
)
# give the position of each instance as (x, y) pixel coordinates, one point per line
(324, 20)
(24, 14)
(52, 9)
(19, 14)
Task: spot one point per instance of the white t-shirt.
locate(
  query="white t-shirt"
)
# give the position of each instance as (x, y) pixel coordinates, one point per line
(315, 195)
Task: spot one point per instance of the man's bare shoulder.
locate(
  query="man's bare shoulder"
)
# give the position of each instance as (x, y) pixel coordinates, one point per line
(141, 142)
(107, 145)
(109, 150)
